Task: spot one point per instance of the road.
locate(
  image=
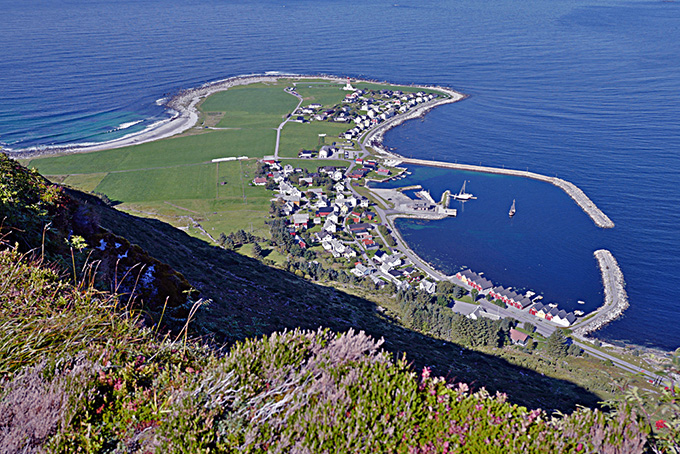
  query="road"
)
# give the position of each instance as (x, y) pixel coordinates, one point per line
(278, 130)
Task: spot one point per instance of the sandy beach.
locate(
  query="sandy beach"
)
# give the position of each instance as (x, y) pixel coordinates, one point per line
(185, 117)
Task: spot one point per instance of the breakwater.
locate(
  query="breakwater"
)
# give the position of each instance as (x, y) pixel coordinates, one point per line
(615, 296)
(588, 206)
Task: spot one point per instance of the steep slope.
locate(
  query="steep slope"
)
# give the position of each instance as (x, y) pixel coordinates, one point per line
(78, 374)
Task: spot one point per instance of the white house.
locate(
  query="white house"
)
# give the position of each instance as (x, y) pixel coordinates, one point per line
(429, 287)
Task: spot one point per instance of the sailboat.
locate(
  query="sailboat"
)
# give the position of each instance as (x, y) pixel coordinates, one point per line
(512, 209)
(462, 195)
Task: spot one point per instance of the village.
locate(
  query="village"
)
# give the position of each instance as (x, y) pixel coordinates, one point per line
(323, 210)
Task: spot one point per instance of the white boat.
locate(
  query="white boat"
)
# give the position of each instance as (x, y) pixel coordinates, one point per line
(462, 195)
(512, 209)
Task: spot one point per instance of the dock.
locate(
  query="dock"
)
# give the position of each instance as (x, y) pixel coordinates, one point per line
(588, 206)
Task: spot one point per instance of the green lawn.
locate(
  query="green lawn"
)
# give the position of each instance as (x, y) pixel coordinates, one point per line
(184, 150)
(251, 106)
(297, 136)
(189, 182)
(327, 94)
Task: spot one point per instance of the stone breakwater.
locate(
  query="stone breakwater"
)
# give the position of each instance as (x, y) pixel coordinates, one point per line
(615, 296)
(599, 218)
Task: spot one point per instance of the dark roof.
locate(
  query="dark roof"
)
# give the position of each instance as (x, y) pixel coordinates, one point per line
(395, 273)
(524, 302)
(484, 283)
(538, 306)
(357, 227)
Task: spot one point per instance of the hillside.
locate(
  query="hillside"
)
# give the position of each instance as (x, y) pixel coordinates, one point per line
(78, 374)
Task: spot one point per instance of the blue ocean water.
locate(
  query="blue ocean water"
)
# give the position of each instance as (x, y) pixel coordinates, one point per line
(588, 90)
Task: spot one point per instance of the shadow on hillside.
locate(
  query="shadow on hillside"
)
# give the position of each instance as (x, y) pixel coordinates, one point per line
(251, 299)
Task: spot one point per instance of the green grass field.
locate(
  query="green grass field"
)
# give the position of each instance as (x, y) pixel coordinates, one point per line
(326, 94)
(297, 136)
(251, 106)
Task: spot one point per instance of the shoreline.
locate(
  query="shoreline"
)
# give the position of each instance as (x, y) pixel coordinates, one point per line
(186, 115)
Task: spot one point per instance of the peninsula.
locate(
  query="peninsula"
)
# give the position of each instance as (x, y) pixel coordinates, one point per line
(315, 141)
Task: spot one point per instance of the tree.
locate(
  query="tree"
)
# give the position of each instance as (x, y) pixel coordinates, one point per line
(556, 345)
(529, 327)
(222, 239)
(574, 350)
(474, 293)
(257, 251)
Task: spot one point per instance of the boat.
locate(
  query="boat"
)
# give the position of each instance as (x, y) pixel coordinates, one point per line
(578, 313)
(581, 302)
(512, 209)
(462, 195)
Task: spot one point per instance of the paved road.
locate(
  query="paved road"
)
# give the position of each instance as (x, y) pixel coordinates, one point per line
(278, 130)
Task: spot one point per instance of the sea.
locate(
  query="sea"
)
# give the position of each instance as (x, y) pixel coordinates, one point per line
(588, 90)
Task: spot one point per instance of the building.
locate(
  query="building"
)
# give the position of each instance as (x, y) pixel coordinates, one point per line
(429, 287)
(260, 181)
(518, 337)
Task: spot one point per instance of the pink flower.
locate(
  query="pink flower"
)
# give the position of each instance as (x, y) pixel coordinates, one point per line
(660, 424)
(426, 373)
(579, 447)
(118, 385)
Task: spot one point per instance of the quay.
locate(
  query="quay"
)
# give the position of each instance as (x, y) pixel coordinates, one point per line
(588, 206)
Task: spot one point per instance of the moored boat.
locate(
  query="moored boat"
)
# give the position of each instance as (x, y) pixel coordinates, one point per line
(512, 209)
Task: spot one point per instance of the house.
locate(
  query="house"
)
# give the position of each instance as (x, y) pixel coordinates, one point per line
(408, 270)
(329, 226)
(429, 287)
(394, 273)
(357, 228)
(369, 215)
(369, 243)
(307, 180)
(518, 337)
(364, 202)
(360, 270)
(464, 309)
(269, 160)
(260, 181)
(533, 310)
(337, 175)
(552, 313)
(339, 187)
(325, 152)
(324, 211)
(300, 220)
(357, 174)
(379, 256)
(564, 319)
(383, 172)
(306, 154)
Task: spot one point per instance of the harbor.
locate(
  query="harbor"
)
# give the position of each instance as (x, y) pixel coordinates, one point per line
(588, 206)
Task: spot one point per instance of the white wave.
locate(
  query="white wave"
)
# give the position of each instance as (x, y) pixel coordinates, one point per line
(129, 124)
(161, 101)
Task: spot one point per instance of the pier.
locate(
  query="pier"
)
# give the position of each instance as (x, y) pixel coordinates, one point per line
(615, 296)
(588, 206)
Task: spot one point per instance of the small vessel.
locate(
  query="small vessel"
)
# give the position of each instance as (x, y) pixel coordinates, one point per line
(581, 302)
(578, 313)
(512, 209)
(462, 195)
